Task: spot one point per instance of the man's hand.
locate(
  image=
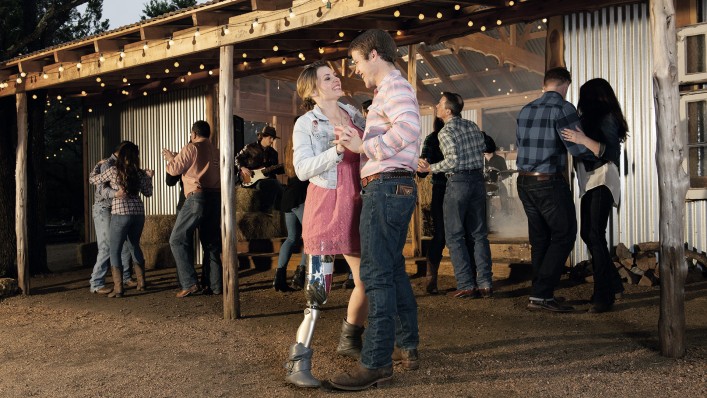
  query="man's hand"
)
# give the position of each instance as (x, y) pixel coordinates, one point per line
(348, 137)
(246, 172)
(168, 155)
(423, 166)
(150, 173)
(120, 193)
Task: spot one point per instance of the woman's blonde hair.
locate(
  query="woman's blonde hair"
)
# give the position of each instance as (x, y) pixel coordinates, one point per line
(307, 84)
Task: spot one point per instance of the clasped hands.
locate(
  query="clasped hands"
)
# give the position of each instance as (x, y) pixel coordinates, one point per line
(348, 138)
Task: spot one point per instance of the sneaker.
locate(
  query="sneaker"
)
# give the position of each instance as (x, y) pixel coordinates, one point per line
(548, 305)
(407, 358)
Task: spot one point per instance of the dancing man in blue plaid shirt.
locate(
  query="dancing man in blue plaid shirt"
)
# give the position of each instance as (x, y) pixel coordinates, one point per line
(465, 226)
(543, 188)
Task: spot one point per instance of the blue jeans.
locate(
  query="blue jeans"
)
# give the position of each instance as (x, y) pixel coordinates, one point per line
(101, 221)
(124, 228)
(594, 213)
(387, 207)
(466, 230)
(201, 210)
(293, 222)
(434, 253)
(552, 229)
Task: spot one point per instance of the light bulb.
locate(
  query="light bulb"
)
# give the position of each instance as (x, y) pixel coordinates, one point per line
(396, 13)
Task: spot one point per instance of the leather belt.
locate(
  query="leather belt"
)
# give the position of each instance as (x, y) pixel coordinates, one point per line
(387, 174)
(469, 172)
(201, 190)
(540, 176)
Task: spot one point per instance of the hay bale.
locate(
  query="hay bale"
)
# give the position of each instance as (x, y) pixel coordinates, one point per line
(424, 192)
(157, 229)
(258, 225)
(247, 199)
(8, 287)
(158, 255)
(86, 254)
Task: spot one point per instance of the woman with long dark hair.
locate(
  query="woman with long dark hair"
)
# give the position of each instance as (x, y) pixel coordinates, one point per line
(127, 211)
(603, 130)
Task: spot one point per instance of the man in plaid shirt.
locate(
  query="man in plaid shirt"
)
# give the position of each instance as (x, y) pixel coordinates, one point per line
(465, 227)
(543, 189)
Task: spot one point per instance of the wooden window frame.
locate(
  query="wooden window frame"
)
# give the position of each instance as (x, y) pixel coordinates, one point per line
(698, 184)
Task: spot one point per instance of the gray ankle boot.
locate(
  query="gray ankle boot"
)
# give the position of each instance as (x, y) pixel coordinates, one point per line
(299, 367)
(351, 340)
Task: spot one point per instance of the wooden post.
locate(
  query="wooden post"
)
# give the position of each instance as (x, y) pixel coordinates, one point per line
(231, 294)
(21, 194)
(416, 222)
(672, 180)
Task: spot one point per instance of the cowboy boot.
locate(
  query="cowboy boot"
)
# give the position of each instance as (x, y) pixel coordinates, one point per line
(280, 282)
(360, 378)
(299, 367)
(140, 275)
(117, 282)
(432, 270)
(351, 341)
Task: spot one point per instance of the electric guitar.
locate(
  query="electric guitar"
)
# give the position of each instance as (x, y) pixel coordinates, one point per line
(258, 175)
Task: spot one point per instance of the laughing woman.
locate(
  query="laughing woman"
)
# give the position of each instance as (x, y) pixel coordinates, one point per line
(603, 130)
(331, 212)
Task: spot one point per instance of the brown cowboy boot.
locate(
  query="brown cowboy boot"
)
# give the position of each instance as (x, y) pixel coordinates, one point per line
(140, 276)
(360, 378)
(117, 282)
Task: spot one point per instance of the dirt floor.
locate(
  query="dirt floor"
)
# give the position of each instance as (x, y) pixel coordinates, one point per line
(63, 341)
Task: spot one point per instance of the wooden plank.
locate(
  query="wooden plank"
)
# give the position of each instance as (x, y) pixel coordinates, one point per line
(270, 5)
(21, 200)
(416, 222)
(231, 291)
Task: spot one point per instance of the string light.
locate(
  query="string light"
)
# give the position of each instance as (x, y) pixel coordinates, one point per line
(483, 29)
(399, 33)
(470, 24)
(19, 80)
(103, 84)
(292, 13)
(144, 93)
(341, 34)
(176, 64)
(255, 22)
(196, 34)
(275, 48)
(145, 47)
(34, 96)
(498, 22)
(122, 55)
(166, 70)
(181, 80)
(245, 55)
(457, 7)
(396, 13)
(511, 3)
(61, 68)
(284, 61)
(23, 74)
(211, 72)
(101, 59)
(226, 30)
(98, 79)
(188, 73)
(544, 20)
(171, 41)
(201, 66)
(147, 76)
(83, 92)
(78, 66)
(58, 97)
(439, 14)
(321, 50)
(110, 104)
(421, 16)
(45, 76)
(164, 88)
(125, 79)
(263, 60)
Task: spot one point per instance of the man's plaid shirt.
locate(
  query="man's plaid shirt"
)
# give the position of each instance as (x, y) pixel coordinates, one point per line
(540, 145)
(462, 144)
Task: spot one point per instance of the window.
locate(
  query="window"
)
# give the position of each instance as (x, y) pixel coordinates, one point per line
(692, 54)
(693, 114)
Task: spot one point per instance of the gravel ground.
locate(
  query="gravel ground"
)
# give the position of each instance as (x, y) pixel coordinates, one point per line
(63, 341)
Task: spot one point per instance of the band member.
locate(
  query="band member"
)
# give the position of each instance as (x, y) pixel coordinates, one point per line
(258, 164)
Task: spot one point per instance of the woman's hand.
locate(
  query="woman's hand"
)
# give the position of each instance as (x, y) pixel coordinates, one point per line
(150, 173)
(349, 138)
(574, 135)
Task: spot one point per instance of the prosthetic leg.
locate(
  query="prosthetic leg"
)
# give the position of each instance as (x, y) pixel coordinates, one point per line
(320, 269)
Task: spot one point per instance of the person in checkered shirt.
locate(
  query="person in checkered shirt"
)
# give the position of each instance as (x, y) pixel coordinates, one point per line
(127, 211)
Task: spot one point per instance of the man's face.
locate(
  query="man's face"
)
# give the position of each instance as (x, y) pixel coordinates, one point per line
(441, 108)
(267, 141)
(366, 68)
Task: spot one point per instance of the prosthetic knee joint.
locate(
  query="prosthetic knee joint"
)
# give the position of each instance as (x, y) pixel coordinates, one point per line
(320, 269)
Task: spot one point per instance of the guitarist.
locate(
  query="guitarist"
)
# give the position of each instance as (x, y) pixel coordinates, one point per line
(259, 155)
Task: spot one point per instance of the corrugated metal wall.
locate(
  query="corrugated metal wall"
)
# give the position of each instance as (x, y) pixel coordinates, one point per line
(153, 122)
(615, 44)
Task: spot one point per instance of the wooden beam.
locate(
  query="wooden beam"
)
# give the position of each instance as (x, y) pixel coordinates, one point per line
(155, 32)
(229, 254)
(209, 18)
(504, 52)
(673, 181)
(66, 56)
(21, 199)
(435, 67)
(416, 221)
(270, 5)
(31, 66)
(555, 43)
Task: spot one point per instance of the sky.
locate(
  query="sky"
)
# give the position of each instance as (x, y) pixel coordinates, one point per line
(124, 12)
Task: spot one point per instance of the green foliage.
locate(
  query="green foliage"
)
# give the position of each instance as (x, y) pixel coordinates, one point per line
(155, 8)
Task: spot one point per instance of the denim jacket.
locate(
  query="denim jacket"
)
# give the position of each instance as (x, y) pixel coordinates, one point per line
(315, 158)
